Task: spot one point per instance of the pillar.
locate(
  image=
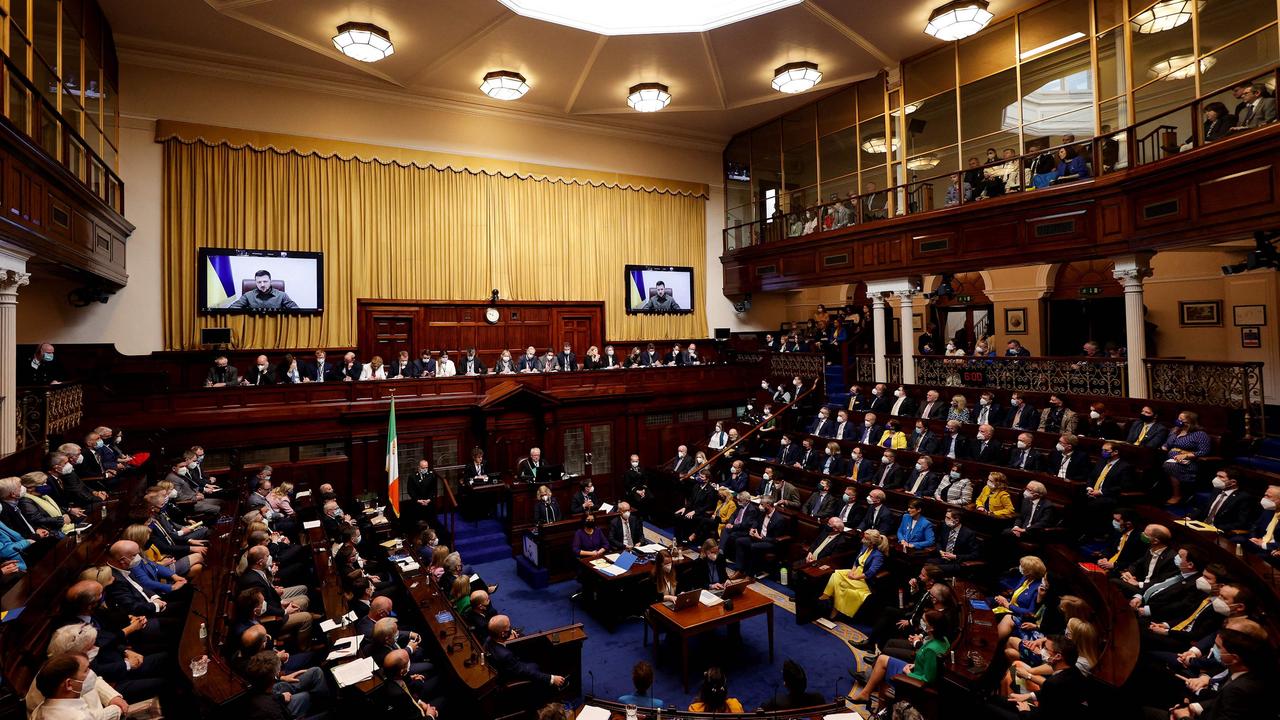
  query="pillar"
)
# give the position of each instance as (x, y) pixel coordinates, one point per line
(906, 309)
(1130, 270)
(877, 327)
(13, 275)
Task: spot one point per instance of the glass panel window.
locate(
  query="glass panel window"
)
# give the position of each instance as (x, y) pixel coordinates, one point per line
(19, 105)
(1239, 60)
(802, 198)
(934, 170)
(841, 187)
(110, 116)
(987, 52)
(574, 446)
(18, 15)
(46, 31)
(18, 50)
(798, 128)
(1058, 85)
(837, 112)
(871, 94)
(872, 147)
(92, 96)
(989, 105)
(1114, 114)
(1111, 71)
(839, 153)
(1158, 97)
(444, 452)
(310, 451)
(50, 132)
(602, 449)
(800, 165)
(933, 124)
(46, 83)
(72, 78)
(766, 167)
(259, 456)
(1153, 52)
(872, 178)
(1221, 22)
(1052, 26)
(989, 149)
(930, 74)
(1110, 13)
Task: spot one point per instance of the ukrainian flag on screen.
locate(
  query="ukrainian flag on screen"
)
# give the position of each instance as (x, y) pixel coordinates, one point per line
(218, 287)
(636, 289)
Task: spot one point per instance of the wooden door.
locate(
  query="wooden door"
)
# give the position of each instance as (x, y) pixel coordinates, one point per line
(391, 334)
(577, 331)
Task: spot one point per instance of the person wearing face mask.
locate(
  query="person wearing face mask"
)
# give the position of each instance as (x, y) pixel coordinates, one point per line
(1197, 665)
(988, 411)
(695, 517)
(1099, 424)
(892, 436)
(1152, 567)
(1024, 456)
(155, 578)
(546, 509)
(877, 516)
(903, 404)
(831, 463)
(626, 531)
(1163, 599)
(921, 480)
(1184, 447)
(470, 364)
(610, 360)
(260, 374)
(953, 444)
(529, 361)
(822, 426)
(566, 361)
(589, 541)
(222, 374)
(1067, 460)
(1265, 536)
(1062, 693)
(505, 365)
(1109, 477)
(881, 399)
(923, 440)
(189, 499)
(1058, 418)
(870, 431)
(915, 532)
(1021, 414)
(101, 700)
(736, 478)
(927, 662)
(745, 516)
(42, 368)
(985, 448)
(425, 365)
(849, 589)
(956, 545)
(1247, 685)
(761, 539)
(290, 603)
(65, 483)
(1147, 431)
(1230, 509)
(38, 540)
(994, 498)
(893, 621)
(40, 509)
(933, 408)
(1123, 545)
(62, 681)
(1037, 512)
(858, 401)
(93, 459)
(1199, 612)
(821, 503)
(445, 367)
(954, 488)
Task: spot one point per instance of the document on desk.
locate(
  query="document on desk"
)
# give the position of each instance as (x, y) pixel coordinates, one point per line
(591, 712)
(301, 494)
(612, 570)
(612, 557)
(346, 647)
(606, 508)
(651, 548)
(709, 599)
(353, 672)
(310, 524)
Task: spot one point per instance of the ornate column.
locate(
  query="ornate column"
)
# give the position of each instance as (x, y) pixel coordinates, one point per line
(1130, 270)
(10, 280)
(906, 308)
(877, 327)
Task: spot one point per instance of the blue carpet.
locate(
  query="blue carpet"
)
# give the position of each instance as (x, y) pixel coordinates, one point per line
(609, 655)
(480, 542)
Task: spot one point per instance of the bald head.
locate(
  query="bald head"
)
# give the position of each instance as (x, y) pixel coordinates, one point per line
(258, 555)
(84, 594)
(122, 553)
(396, 663)
(499, 627)
(380, 607)
(253, 637)
(479, 599)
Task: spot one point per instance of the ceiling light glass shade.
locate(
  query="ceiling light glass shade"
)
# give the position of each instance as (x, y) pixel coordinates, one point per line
(1164, 15)
(923, 162)
(876, 146)
(363, 41)
(906, 109)
(504, 85)
(648, 97)
(958, 19)
(627, 17)
(1180, 66)
(796, 77)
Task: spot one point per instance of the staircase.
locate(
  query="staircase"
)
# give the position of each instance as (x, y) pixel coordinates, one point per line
(480, 542)
(837, 388)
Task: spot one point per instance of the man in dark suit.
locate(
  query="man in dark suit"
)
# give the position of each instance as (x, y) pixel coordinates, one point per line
(821, 503)
(881, 401)
(424, 366)
(933, 408)
(903, 404)
(585, 500)
(822, 425)
(923, 440)
(1125, 544)
(1068, 461)
(898, 621)
(985, 448)
(1177, 594)
(807, 457)
(404, 690)
(470, 364)
(1108, 478)
(870, 432)
(858, 402)
(529, 362)
(877, 516)
(260, 374)
(988, 411)
(675, 358)
(848, 510)
(318, 370)
(762, 539)
(922, 481)
(788, 454)
(1231, 509)
(532, 469)
(509, 666)
(956, 544)
(566, 361)
(843, 429)
(684, 461)
(693, 516)
(650, 356)
(626, 531)
(424, 488)
(771, 343)
(953, 444)
(1149, 568)
(400, 368)
(1248, 685)
(1147, 431)
(888, 475)
(124, 594)
(1063, 693)
(349, 370)
(861, 469)
(1024, 457)
(831, 540)
(745, 518)
(1015, 349)
(288, 603)
(1036, 512)
(1021, 415)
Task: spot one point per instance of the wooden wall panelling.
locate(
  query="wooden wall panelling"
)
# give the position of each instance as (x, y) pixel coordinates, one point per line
(1248, 190)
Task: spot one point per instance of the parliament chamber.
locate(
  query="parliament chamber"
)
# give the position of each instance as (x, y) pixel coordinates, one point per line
(538, 360)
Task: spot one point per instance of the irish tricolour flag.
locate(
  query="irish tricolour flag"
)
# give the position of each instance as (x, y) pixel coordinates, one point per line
(393, 461)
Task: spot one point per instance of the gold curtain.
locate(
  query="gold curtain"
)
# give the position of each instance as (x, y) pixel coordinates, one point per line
(408, 232)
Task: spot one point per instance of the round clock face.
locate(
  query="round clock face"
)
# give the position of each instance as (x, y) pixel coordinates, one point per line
(491, 315)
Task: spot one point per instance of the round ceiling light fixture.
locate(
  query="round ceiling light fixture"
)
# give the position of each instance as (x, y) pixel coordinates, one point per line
(1164, 15)
(796, 77)
(648, 97)
(923, 162)
(876, 145)
(504, 85)
(365, 42)
(1180, 66)
(958, 19)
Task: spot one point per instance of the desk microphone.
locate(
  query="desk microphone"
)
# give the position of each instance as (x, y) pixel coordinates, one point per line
(837, 695)
(593, 683)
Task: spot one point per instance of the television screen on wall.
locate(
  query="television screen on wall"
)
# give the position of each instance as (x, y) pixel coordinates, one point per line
(659, 290)
(260, 281)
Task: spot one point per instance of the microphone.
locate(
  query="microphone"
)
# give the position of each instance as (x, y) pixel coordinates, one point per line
(837, 695)
(593, 683)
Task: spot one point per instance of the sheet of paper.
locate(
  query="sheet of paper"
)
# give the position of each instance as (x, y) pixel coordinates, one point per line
(842, 716)
(612, 570)
(346, 647)
(302, 494)
(389, 543)
(350, 617)
(326, 625)
(591, 712)
(707, 598)
(310, 524)
(606, 508)
(651, 548)
(474, 577)
(612, 557)
(353, 672)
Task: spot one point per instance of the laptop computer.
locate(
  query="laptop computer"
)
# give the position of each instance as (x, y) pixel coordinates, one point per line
(684, 600)
(734, 588)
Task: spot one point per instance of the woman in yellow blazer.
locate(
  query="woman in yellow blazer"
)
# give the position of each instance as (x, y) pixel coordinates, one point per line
(994, 498)
(893, 437)
(725, 509)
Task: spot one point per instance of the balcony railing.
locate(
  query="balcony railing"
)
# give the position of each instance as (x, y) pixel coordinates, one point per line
(46, 410)
(1143, 143)
(1229, 384)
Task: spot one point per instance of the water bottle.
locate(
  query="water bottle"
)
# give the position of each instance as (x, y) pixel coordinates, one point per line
(204, 631)
(902, 601)
(782, 576)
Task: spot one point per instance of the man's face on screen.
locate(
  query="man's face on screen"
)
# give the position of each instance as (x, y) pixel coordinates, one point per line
(263, 282)
(662, 291)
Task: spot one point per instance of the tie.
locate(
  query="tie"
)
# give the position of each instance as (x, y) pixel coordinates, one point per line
(1102, 476)
(626, 532)
(1217, 505)
(1062, 469)
(855, 471)
(1192, 617)
(1016, 417)
(1143, 434)
(883, 476)
(875, 515)
(915, 486)
(721, 439)
(764, 532)
(951, 539)
(24, 519)
(982, 418)
(1023, 462)
(817, 552)
(840, 431)
(927, 409)
(951, 451)
(1119, 548)
(844, 512)
(1270, 534)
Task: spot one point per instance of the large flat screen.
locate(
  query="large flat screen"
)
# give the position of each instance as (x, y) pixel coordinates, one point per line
(260, 281)
(659, 290)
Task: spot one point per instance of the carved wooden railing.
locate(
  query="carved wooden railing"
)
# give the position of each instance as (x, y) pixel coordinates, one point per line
(1075, 375)
(45, 410)
(1206, 382)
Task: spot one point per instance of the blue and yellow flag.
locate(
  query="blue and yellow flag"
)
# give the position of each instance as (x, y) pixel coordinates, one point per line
(218, 287)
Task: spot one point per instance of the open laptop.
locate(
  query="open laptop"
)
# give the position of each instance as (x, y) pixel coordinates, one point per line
(733, 588)
(683, 600)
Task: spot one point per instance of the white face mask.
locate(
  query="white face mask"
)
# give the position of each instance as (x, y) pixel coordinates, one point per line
(1219, 483)
(1203, 585)
(262, 608)
(67, 468)
(920, 467)
(626, 515)
(91, 653)
(173, 494)
(897, 393)
(79, 459)
(984, 401)
(609, 353)
(183, 470)
(136, 561)
(1028, 495)
(635, 464)
(89, 683)
(867, 423)
(1221, 607)
(1061, 448)
(1268, 504)
(1022, 444)
(1095, 414)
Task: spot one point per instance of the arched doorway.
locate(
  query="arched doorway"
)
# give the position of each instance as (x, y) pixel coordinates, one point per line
(1087, 303)
(964, 315)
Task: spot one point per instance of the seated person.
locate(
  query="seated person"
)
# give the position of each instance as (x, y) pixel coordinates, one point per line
(915, 532)
(507, 664)
(922, 481)
(953, 487)
(927, 667)
(626, 531)
(895, 621)
(528, 468)
(713, 697)
(994, 499)
(1124, 545)
(697, 514)
(708, 571)
(956, 544)
(761, 539)
(1037, 512)
(405, 688)
(642, 681)
(831, 540)
(1024, 456)
(849, 589)
(877, 517)
(1264, 536)
(797, 694)
(589, 541)
(1229, 509)
(161, 578)
(1023, 601)
(822, 503)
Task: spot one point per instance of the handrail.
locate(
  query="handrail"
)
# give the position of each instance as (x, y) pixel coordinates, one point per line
(1091, 148)
(616, 709)
(729, 446)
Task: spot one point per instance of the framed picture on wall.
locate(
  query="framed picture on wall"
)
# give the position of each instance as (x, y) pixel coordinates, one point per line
(1249, 315)
(1200, 313)
(1250, 337)
(917, 322)
(1015, 321)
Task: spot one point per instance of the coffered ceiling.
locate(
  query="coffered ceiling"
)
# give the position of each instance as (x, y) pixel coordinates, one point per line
(719, 80)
